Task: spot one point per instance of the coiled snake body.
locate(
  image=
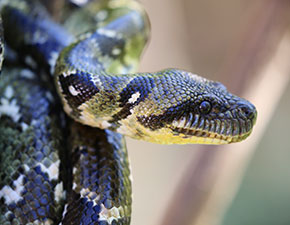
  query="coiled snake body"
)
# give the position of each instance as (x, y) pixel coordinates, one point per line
(55, 170)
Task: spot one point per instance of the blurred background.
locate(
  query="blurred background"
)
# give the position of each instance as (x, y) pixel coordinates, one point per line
(245, 45)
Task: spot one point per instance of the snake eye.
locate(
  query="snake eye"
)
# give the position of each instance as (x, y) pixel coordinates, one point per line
(205, 107)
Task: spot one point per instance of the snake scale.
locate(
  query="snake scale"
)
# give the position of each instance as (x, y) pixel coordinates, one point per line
(53, 169)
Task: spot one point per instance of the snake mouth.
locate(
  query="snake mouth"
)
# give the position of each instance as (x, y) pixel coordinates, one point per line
(215, 131)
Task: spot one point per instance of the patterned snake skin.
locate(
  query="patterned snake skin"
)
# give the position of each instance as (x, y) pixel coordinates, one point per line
(56, 171)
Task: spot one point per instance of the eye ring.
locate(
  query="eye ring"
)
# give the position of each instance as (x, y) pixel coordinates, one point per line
(205, 107)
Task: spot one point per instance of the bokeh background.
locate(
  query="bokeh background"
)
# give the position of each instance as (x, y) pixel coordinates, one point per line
(244, 44)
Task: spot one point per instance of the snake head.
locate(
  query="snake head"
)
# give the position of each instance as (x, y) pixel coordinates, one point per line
(167, 107)
(185, 108)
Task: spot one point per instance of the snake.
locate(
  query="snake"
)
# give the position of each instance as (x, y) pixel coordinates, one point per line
(70, 92)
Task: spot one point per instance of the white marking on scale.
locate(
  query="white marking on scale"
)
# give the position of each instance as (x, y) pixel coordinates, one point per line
(59, 193)
(175, 123)
(8, 92)
(84, 192)
(80, 2)
(38, 38)
(109, 215)
(132, 111)
(64, 210)
(74, 170)
(87, 117)
(94, 45)
(101, 15)
(10, 195)
(46, 222)
(10, 108)
(91, 195)
(85, 35)
(105, 124)
(49, 96)
(74, 186)
(52, 61)
(82, 156)
(29, 61)
(27, 73)
(96, 80)
(34, 122)
(94, 196)
(182, 122)
(24, 126)
(73, 91)
(38, 222)
(68, 73)
(108, 33)
(52, 171)
(26, 168)
(116, 51)
(134, 97)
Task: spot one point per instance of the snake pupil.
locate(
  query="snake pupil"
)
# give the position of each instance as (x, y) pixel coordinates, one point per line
(205, 107)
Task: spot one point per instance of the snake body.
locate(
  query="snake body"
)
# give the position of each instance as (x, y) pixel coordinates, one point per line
(30, 150)
(169, 106)
(94, 174)
(95, 80)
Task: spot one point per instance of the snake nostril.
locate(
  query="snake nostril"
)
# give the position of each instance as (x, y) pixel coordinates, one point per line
(249, 110)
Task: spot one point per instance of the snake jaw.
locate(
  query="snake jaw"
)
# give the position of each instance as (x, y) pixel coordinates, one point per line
(216, 133)
(233, 126)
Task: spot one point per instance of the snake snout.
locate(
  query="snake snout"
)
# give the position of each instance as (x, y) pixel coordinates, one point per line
(248, 109)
